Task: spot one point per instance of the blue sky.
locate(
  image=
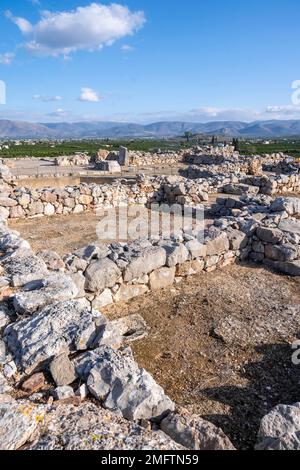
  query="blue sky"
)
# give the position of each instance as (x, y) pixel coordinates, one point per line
(149, 60)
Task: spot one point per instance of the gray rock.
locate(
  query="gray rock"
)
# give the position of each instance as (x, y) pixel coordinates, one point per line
(4, 385)
(7, 202)
(124, 330)
(52, 259)
(90, 252)
(161, 278)
(128, 292)
(90, 427)
(269, 235)
(19, 422)
(103, 299)
(217, 245)
(176, 254)
(25, 269)
(62, 370)
(74, 264)
(145, 262)
(78, 280)
(12, 241)
(290, 205)
(101, 274)
(5, 315)
(116, 380)
(61, 327)
(194, 433)
(285, 252)
(290, 227)
(38, 294)
(237, 240)
(280, 429)
(196, 249)
(60, 393)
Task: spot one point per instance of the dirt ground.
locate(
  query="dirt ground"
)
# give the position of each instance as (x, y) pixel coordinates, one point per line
(231, 380)
(62, 233)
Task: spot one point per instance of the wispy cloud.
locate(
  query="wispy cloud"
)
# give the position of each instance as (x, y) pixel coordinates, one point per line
(85, 28)
(286, 111)
(47, 99)
(7, 58)
(127, 48)
(90, 95)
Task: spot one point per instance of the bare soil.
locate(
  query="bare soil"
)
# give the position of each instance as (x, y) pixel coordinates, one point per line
(61, 233)
(232, 383)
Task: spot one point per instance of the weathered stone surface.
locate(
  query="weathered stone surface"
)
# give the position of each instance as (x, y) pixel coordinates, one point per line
(237, 240)
(196, 249)
(115, 379)
(52, 259)
(62, 370)
(78, 280)
(5, 315)
(4, 385)
(217, 245)
(25, 269)
(60, 327)
(7, 202)
(280, 429)
(269, 235)
(291, 205)
(34, 383)
(190, 268)
(124, 330)
(290, 226)
(161, 278)
(194, 433)
(101, 274)
(145, 262)
(16, 212)
(128, 292)
(18, 423)
(64, 392)
(281, 252)
(102, 300)
(93, 428)
(12, 241)
(176, 254)
(38, 294)
(97, 251)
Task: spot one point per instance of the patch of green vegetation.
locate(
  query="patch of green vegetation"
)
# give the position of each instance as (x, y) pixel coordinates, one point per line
(291, 148)
(56, 149)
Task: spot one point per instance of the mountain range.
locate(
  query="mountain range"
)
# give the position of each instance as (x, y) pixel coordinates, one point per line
(80, 130)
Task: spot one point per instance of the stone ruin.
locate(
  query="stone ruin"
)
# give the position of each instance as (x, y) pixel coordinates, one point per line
(52, 324)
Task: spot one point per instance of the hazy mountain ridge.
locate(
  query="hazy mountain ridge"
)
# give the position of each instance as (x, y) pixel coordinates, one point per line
(78, 130)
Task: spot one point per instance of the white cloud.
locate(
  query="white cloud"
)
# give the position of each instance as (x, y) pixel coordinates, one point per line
(7, 58)
(58, 113)
(90, 95)
(127, 48)
(24, 25)
(47, 99)
(85, 28)
(284, 111)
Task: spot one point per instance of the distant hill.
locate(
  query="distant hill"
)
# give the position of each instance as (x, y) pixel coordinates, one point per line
(79, 130)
